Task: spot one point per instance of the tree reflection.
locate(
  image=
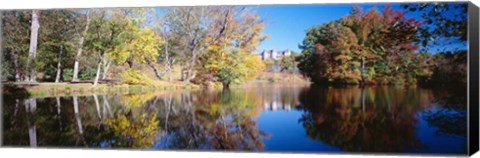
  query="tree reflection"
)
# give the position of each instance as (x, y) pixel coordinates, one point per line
(207, 120)
(123, 127)
(366, 120)
(451, 119)
(218, 120)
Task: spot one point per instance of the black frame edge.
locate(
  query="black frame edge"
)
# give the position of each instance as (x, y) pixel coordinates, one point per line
(1, 85)
(473, 68)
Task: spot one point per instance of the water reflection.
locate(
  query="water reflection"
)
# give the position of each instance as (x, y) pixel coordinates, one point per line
(381, 119)
(375, 120)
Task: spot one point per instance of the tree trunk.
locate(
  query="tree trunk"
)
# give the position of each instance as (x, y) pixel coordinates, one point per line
(170, 75)
(16, 66)
(188, 75)
(59, 65)
(189, 70)
(155, 70)
(99, 67)
(106, 66)
(79, 50)
(130, 62)
(32, 55)
(165, 71)
(191, 65)
(167, 64)
(182, 73)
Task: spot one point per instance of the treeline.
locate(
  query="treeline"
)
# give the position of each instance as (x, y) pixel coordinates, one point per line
(73, 45)
(380, 47)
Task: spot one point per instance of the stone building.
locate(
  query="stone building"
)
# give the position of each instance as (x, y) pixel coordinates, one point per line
(273, 54)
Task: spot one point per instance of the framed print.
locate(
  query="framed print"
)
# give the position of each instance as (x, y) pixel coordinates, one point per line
(352, 78)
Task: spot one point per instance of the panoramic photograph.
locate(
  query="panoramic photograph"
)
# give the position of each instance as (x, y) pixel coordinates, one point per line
(312, 78)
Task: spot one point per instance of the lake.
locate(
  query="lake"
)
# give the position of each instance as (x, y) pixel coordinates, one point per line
(261, 117)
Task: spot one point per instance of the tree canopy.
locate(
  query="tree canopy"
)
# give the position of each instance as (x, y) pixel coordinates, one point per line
(372, 47)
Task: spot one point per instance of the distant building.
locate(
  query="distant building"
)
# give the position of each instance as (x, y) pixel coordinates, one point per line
(275, 55)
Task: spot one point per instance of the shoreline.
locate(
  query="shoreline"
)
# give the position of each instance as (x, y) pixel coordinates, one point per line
(47, 89)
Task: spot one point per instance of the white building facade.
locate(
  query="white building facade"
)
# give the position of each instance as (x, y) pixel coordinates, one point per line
(273, 54)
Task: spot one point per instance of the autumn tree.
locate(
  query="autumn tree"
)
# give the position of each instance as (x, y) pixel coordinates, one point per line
(198, 28)
(144, 49)
(445, 29)
(229, 58)
(445, 23)
(238, 67)
(362, 48)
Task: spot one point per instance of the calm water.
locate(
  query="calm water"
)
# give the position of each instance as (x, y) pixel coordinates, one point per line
(265, 117)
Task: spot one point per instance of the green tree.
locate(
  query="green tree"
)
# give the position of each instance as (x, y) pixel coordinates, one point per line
(56, 40)
(145, 49)
(15, 44)
(238, 67)
(107, 36)
(288, 63)
(81, 43)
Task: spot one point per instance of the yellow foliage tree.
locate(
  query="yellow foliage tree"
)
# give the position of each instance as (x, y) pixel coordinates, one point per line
(229, 58)
(135, 77)
(144, 48)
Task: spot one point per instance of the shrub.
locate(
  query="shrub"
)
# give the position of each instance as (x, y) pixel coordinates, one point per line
(67, 74)
(87, 74)
(135, 77)
(50, 73)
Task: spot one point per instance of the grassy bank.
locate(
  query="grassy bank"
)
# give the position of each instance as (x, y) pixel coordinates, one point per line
(272, 77)
(80, 89)
(48, 89)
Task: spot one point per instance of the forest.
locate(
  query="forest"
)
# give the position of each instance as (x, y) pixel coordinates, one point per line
(210, 44)
(385, 47)
(214, 45)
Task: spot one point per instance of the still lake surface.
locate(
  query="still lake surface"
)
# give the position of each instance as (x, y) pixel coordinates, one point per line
(263, 117)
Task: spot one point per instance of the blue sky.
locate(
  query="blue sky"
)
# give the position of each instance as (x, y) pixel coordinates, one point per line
(287, 24)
